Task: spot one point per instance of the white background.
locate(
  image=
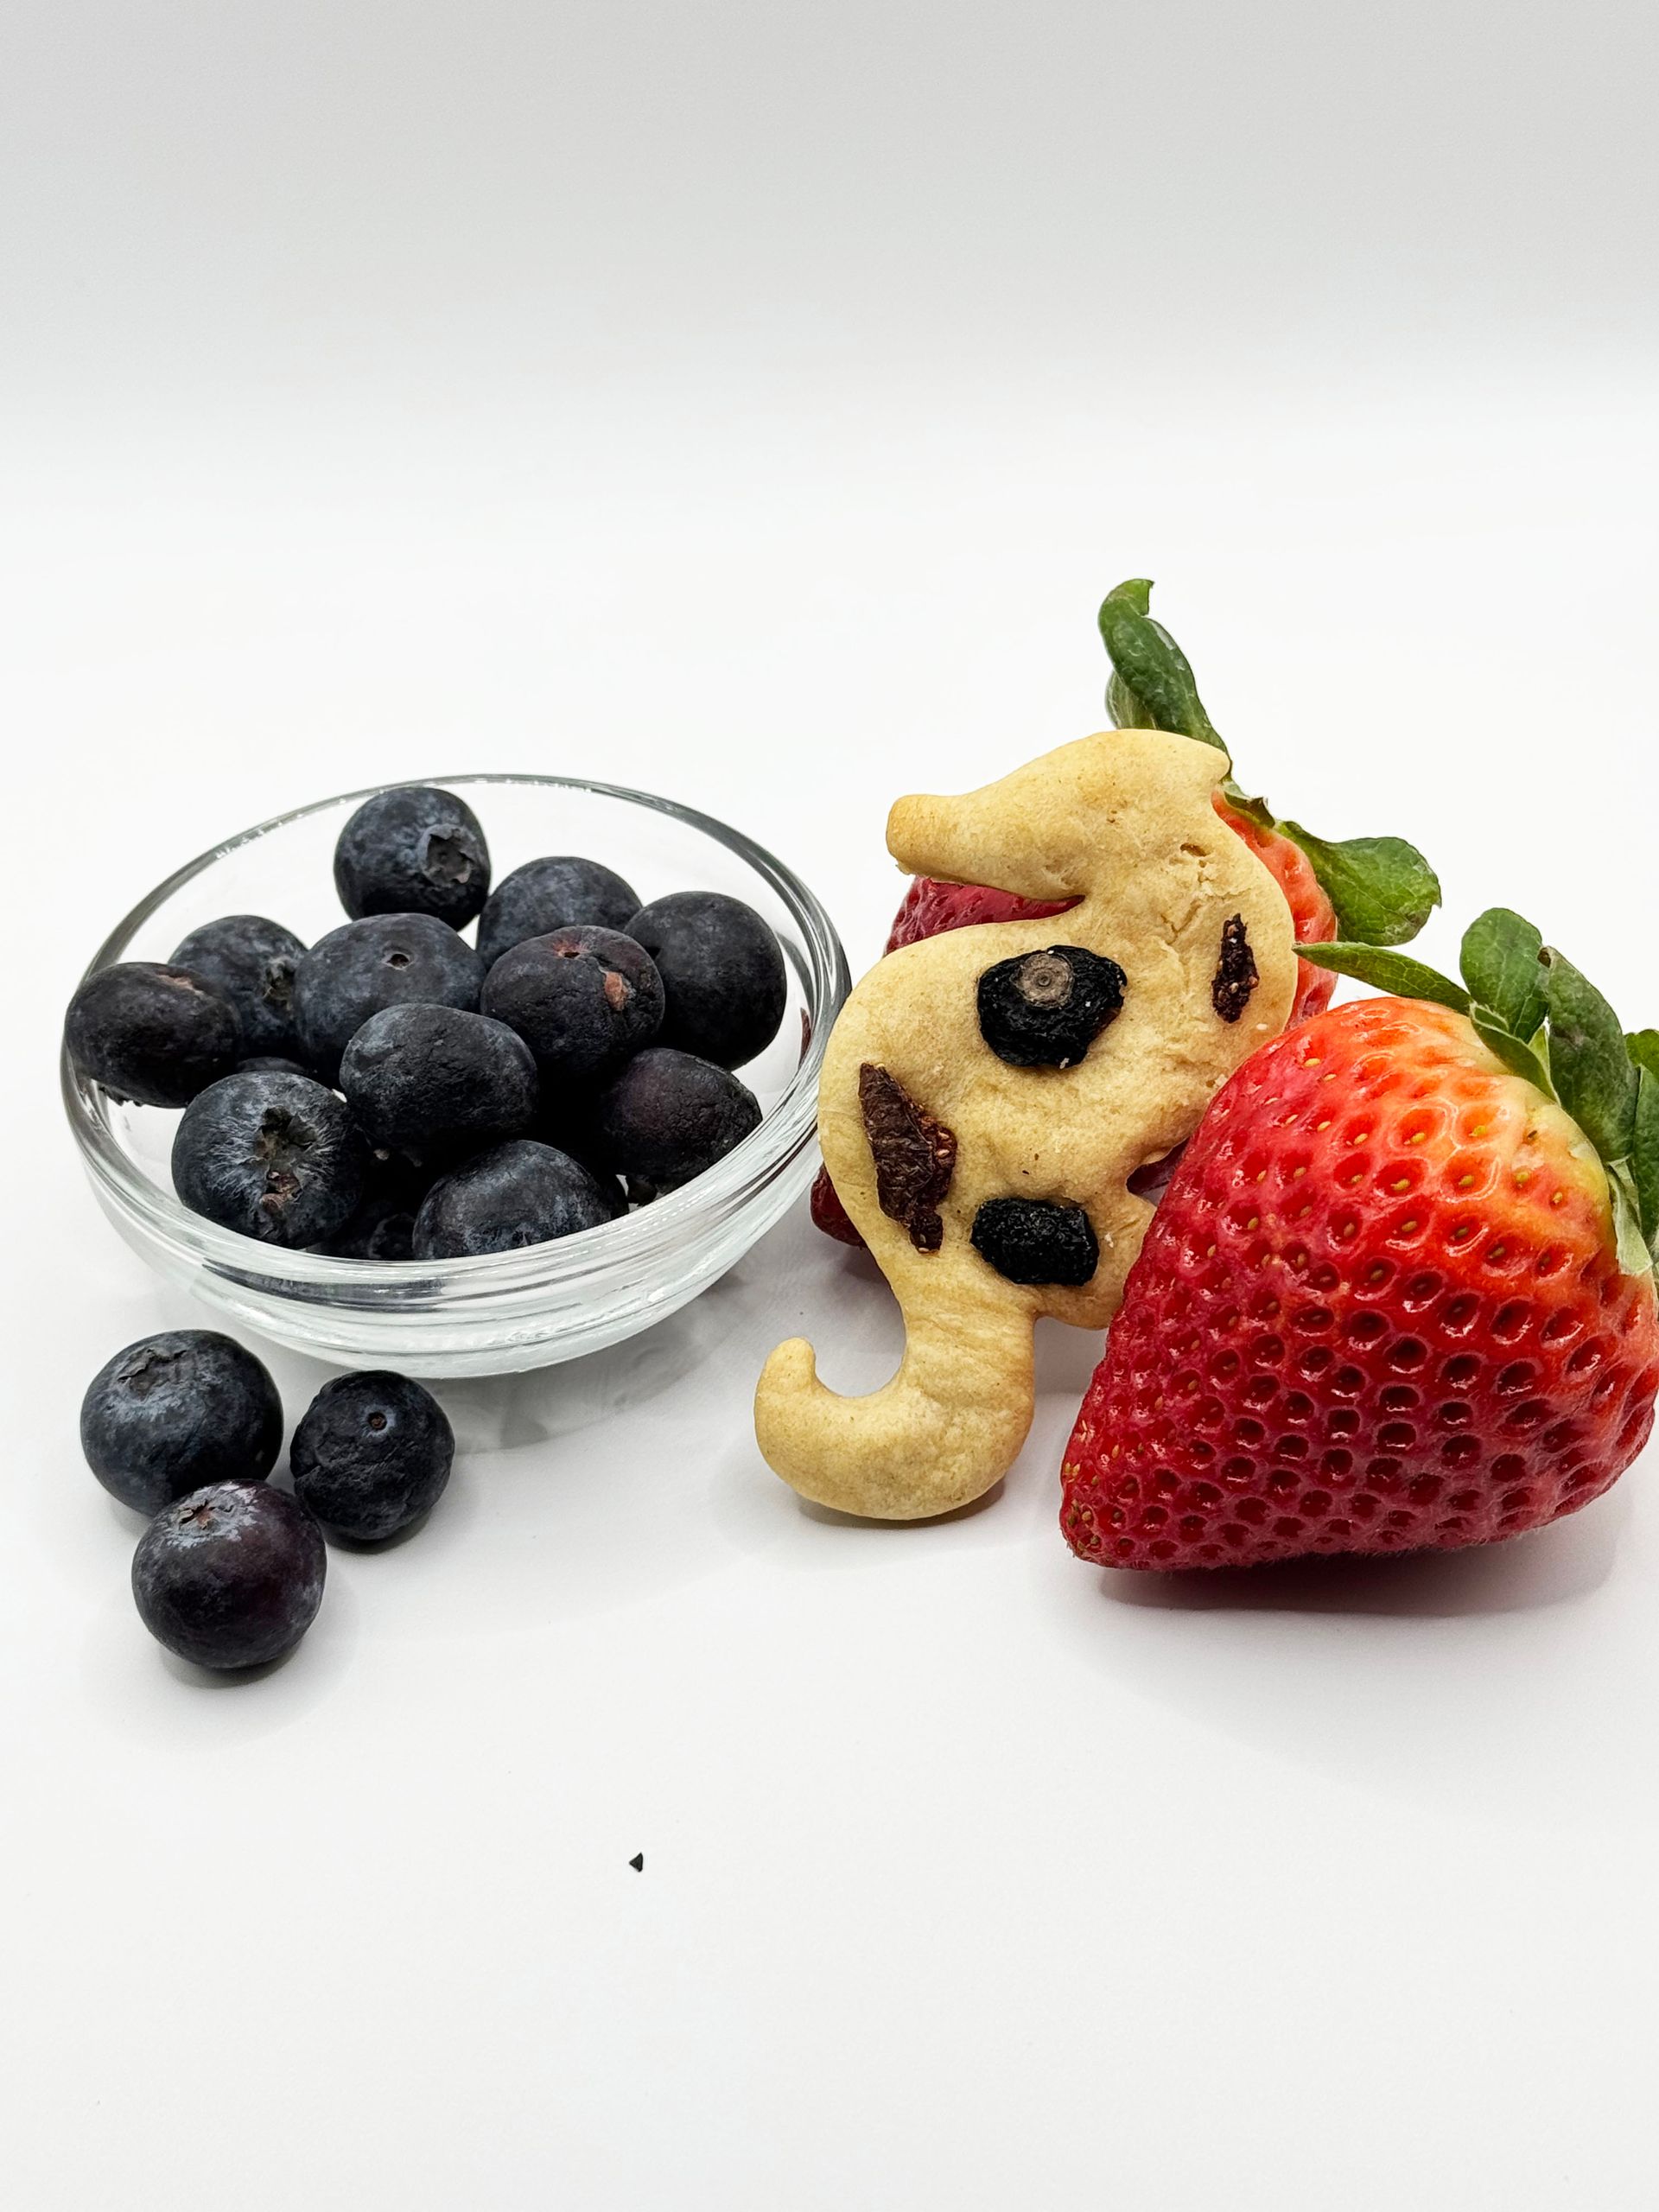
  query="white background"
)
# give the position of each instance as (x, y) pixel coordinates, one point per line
(752, 402)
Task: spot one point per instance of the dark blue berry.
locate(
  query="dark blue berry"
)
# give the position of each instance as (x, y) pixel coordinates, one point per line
(1037, 1240)
(230, 1576)
(370, 1455)
(252, 963)
(388, 960)
(548, 894)
(275, 1156)
(432, 1080)
(382, 1227)
(413, 851)
(177, 1411)
(273, 1063)
(1045, 1010)
(724, 982)
(518, 1194)
(154, 1034)
(582, 999)
(668, 1116)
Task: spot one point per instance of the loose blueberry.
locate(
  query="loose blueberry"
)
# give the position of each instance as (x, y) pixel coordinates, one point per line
(549, 895)
(252, 963)
(413, 851)
(1045, 1010)
(362, 967)
(177, 1411)
(432, 1079)
(582, 999)
(724, 982)
(520, 1193)
(371, 1454)
(1037, 1240)
(275, 1156)
(153, 1034)
(231, 1576)
(668, 1116)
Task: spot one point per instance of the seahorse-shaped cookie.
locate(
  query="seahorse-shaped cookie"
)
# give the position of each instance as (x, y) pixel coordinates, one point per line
(925, 1127)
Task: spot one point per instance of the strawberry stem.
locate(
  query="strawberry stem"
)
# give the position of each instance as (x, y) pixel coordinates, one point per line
(1383, 889)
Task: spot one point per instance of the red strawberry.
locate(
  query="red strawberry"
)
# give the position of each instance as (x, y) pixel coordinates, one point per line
(1312, 916)
(929, 908)
(1381, 1306)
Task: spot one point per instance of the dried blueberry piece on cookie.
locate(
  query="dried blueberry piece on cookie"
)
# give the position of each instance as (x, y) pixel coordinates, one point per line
(1035, 1241)
(1045, 1010)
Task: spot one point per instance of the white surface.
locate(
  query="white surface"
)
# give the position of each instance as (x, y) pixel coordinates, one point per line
(759, 422)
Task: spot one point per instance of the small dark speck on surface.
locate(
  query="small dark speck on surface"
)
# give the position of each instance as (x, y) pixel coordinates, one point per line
(637, 1862)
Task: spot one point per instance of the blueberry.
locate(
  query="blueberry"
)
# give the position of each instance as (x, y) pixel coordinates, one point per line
(252, 963)
(582, 999)
(520, 1193)
(388, 960)
(371, 1454)
(382, 1227)
(230, 1576)
(274, 1064)
(722, 971)
(668, 1116)
(1045, 1010)
(433, 1079)
(177, 1411)
(156, 1035)
(413, 851)
(1036, 1241)
(275, 1156)
(547, 894)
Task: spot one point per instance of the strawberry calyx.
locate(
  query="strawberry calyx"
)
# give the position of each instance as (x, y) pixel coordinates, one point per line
(1546, 1020)
(1382, 888)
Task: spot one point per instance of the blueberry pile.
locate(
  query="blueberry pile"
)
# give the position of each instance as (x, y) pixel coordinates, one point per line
(393, 1092)
(185, 1428)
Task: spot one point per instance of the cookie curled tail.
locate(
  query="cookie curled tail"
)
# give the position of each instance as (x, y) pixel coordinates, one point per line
(945, 1430)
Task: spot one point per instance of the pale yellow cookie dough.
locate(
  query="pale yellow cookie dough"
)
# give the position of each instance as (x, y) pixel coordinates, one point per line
(1124, 821)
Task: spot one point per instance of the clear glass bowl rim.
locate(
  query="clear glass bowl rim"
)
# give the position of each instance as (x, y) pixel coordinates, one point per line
(660, 1232)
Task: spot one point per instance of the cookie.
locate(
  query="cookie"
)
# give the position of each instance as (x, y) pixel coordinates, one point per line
(982, 1132)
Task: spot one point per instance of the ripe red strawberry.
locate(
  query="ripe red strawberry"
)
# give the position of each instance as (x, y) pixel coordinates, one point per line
(929, 908)
(1381, 1306)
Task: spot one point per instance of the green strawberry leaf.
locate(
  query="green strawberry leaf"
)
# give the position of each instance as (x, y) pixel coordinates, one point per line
(1634, 1257)
(1595, 1078)
(1515, 1054)
(1153, 685)
(1644, 1153)
(1643, 1045)
(1383, 889)
(1501, 966)
(1388, 971)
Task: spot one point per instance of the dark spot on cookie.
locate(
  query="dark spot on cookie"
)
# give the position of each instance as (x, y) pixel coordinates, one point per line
(1037, 1240)
(1045, 1009)
(914, 1156)
(1236, 976)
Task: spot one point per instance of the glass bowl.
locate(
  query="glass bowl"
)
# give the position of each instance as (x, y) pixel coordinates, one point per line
(500, 1311)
